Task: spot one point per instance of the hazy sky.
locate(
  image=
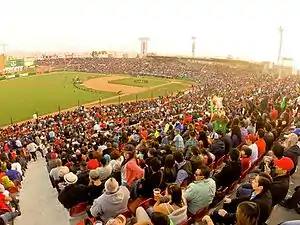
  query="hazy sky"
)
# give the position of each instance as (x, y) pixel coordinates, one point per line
(246, 29)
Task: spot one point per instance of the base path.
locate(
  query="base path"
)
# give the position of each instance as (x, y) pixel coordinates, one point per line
(38, 200)
(102, 84)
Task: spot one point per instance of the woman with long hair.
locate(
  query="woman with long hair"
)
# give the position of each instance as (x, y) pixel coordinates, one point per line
(247, 213)
(172, 204)
(169, 171)
(236, 136)
(130, 171)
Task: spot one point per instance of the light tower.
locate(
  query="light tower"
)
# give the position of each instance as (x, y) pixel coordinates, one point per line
(3, 48)
(144, 46)
(280, 65)
(193, 46)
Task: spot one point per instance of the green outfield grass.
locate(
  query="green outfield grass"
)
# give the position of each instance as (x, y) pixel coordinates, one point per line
(129, 81)
(20, 98)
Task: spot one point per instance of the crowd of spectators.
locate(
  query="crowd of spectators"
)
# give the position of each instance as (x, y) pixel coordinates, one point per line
(184, 150)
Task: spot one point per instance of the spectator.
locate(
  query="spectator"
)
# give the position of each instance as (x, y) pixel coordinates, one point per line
(245, 157)
(157, 218)
(73, 193)
(112, 202)
(191, 142)
(250, 141)
(231, 171)
(208, 157)
(83, 174)
(92, 163)
(153, 178)
(32, 148)
(261, 196)
(175, 207)
(261, 144)
(105, 170)
(169, 171)
(292, 150)
(178, 141)
(236, 136)
(247, 213)
(130, 171)
(217, 147)
(13, 175)
(280, 183)
(269, 136)
(56, 173)
(201, 192)
(95, 187)
(184, 168)
(196, 159)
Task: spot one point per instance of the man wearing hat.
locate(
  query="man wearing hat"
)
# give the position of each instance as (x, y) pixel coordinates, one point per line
(112, 202)
(217, 147)
(73, 193)
(96, 186)
(280, 184)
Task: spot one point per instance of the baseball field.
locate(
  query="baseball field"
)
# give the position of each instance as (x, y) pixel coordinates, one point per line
(43, 94)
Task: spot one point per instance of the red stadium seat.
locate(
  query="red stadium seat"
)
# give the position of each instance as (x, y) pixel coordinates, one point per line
(200, 214)
(78, 209)
(147, 203)
(186, 222)
(127, 214)
(220, 161)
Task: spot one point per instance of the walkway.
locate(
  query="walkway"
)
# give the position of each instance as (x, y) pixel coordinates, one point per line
(38, 200)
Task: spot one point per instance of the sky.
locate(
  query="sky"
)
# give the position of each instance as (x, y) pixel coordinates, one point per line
(247, 29)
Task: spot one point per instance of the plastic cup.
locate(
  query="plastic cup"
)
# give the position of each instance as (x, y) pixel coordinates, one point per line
(156, 193)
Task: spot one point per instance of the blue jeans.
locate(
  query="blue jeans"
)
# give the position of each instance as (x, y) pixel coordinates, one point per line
(9, 216)
(244, 191)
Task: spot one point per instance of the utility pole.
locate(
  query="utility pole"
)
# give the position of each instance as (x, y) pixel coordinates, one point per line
(193, 46)
(279, 52)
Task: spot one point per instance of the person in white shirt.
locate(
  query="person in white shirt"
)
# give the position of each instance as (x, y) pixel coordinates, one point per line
(32, 147)
(250, 141)
(18, 143)
(17, 166)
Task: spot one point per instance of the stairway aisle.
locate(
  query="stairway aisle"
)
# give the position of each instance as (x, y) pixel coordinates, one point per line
(38, 200)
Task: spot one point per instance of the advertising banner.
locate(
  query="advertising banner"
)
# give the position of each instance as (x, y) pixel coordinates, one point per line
(2, 62)
(14, 62)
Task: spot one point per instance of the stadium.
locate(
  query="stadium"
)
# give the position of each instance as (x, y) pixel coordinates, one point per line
(142, 98)
(99, 129)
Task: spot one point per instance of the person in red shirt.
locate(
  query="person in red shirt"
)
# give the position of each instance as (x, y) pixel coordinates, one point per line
(144, 133)
(93, 163)
(274, 114)
(261, 144)
(245, 157)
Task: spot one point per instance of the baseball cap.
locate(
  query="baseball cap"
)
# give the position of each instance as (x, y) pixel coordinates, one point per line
(53, 156)
(284, 163)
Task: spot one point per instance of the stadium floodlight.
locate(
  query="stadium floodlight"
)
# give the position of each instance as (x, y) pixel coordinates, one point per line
(3, 48)
(280, 65)
(144, 45)
(193, 45)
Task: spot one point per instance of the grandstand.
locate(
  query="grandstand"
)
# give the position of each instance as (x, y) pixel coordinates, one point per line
(194, 130)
